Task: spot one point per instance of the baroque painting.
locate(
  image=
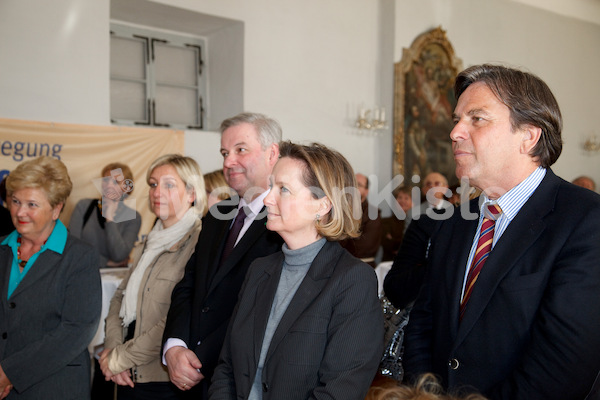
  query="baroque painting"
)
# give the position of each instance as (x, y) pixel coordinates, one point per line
(423, 106)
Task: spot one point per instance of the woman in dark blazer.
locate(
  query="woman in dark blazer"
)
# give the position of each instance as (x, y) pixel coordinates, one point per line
(50, 292)
(308, 323)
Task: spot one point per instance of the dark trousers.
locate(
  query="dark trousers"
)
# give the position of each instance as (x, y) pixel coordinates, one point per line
(149, 391)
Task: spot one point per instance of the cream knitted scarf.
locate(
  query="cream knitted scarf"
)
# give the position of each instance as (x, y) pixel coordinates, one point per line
(158, 240)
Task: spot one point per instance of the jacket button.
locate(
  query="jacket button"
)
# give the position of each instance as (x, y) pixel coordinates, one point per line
(4, 335)
(205, 309)
(265, 387)
(12, 304)
(453, 364)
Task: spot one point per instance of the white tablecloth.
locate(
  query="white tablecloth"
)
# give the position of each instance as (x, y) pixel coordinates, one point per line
(381, 270)
(111, 279)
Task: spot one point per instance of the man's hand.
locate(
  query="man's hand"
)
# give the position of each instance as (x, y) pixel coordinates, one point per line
(184, 367)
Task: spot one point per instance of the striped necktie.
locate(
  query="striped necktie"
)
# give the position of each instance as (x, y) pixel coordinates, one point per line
(484, 247)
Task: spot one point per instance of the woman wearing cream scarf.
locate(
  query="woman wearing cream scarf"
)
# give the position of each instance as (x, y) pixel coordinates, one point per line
(138, 311)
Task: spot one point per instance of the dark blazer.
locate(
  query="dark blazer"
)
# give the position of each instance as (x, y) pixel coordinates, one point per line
(202, 303)
(328, 343)
(48, 322)
(531, 329)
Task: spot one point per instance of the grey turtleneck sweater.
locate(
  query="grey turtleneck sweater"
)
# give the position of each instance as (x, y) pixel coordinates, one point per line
(295, 267)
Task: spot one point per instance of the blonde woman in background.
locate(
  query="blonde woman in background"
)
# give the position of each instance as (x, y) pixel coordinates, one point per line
(138, 311)
(217, 188)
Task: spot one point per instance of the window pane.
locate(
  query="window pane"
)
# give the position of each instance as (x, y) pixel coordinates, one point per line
(128, 101)
(127, 58)
(175, 65)
(176, 106)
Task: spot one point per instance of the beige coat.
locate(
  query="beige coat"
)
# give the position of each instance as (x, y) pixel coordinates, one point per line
(142, 353)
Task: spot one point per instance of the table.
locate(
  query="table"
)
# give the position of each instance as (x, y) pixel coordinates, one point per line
(381, 270)
(111, 279)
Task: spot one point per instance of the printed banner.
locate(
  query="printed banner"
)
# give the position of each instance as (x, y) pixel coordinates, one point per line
(85, 150)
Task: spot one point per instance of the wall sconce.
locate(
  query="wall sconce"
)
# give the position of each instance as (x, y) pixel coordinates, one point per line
(592, 144)
(371, 122)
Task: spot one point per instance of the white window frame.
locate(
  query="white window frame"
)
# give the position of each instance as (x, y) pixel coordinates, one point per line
(151, 38)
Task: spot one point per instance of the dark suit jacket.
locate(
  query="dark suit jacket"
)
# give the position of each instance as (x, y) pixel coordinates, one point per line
(202, 303)
(531, 329)
(328, 343)
(48, 322)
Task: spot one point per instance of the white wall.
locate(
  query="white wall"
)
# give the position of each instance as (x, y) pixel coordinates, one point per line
(563, 51)
(307, 63)
(54, 62)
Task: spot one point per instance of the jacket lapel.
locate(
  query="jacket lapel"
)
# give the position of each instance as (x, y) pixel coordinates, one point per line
(314, 281)
(45, 264)
(6, 258)
(254, 232)
(217, 229)
(520, 235)
(456, 257)
(265, 293)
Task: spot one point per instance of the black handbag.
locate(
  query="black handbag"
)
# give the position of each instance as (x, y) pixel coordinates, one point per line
(395, 321)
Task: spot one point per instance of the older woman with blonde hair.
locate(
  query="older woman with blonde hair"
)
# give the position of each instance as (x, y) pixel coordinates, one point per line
(138, 311)
(308, 323)
(50, 295)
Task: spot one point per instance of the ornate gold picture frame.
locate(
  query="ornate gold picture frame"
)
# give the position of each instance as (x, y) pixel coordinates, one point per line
(423, 107)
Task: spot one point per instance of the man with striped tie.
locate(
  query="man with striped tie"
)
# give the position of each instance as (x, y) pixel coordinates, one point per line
(510, 305)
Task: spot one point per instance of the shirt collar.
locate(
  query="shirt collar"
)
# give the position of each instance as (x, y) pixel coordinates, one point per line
(255, 205)
(58, 238)
(512, 201)
(11, 239)
(56, 241)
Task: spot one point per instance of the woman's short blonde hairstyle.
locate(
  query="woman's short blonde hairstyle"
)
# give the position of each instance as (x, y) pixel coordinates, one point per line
(45, 173)
(189, 172)
(328, 174)
(125, 170)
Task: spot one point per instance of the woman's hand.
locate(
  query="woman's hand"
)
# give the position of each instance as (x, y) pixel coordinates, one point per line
(6, 391)
(123, 378)
(5, 385)
(109, 208)
(108, 374)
